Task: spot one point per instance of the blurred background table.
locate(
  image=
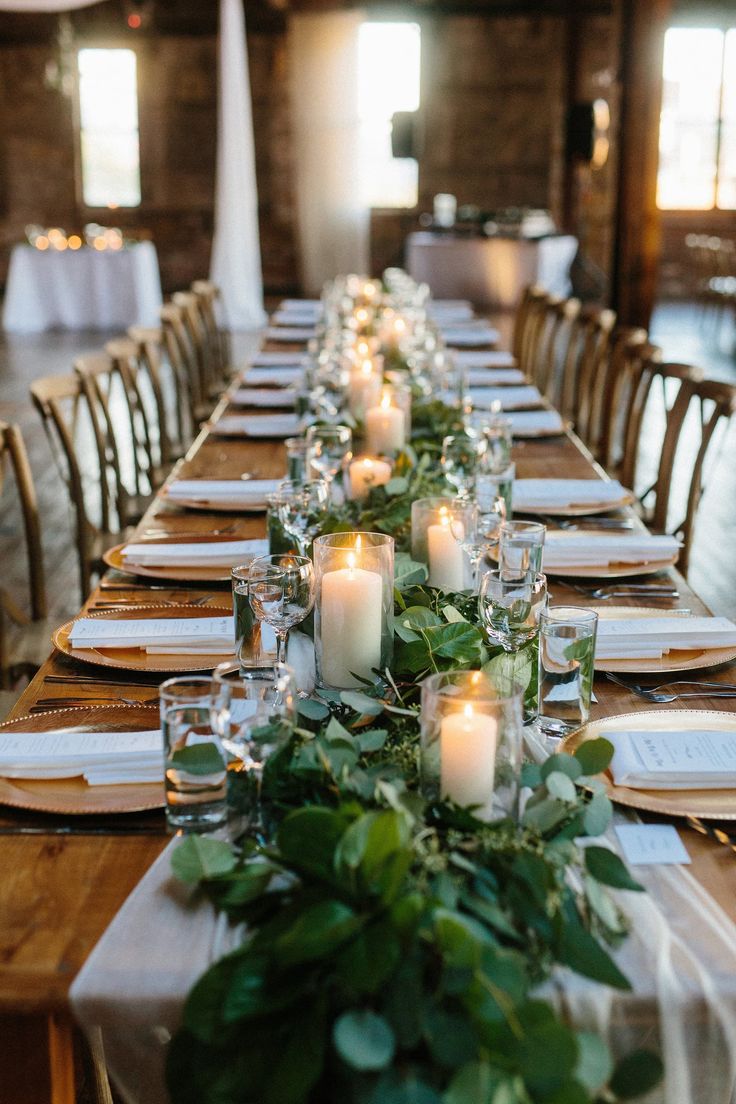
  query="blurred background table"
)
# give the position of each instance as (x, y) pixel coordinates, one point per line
(84, 289)
(491, 272)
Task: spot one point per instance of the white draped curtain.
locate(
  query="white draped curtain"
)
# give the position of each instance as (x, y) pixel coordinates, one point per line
(236, 256)
(333, 223)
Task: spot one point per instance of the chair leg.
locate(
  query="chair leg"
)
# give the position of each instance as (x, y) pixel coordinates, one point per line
(61, 1059)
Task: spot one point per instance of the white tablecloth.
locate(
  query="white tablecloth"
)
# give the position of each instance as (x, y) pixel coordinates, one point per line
(82, 290)
(491, 272)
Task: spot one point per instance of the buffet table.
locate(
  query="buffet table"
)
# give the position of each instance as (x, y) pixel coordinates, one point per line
(65, 878)
(84, 289)
(491, 272)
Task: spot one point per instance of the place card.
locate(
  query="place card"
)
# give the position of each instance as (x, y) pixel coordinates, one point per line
(700, 759)
(650, 844)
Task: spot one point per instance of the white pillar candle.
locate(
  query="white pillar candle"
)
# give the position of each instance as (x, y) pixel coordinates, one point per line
(350, 623)
(445, 553)
(365, 473)
(385, 427)
(364, 388)
(468, 758)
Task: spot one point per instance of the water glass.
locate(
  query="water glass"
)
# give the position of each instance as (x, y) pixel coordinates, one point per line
(281, 591)
(510, 609)
(461, 457)
(520, 548)
(302, 509)
(566, 658)
(330, 448)
(297, 458)
(479, 541)
(195, 768)
(496, 431)
(246, 626)
(491, 485)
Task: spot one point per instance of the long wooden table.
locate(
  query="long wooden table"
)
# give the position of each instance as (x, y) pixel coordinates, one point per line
(63, 880)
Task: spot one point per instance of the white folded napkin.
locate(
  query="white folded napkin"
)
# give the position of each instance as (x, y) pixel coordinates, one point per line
(294, 317)
(540, 494)
(274, 377)
(533, 423)
(486, 358)
(654, 637)
(467, 337)
(693, 759)
(511, 398)
(314, 305)
(494, 377)
(449, 313)
(257, 425)
(297, 334)
(562, 549)
(263, 396)
(205, 554)
(102, 758)
(273, 359)
(160, 636)
(247, 494)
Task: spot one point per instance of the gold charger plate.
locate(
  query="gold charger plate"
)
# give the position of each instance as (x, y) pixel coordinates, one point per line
(707, 804)
(72, 795)
(133, 659)
(114, 558)
(683, 659)
(612, 571)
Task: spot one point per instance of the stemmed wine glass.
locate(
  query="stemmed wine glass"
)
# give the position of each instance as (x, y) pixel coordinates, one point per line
(330, 447)
(461, 456)
(302, 508)
(281, 592)
(481, 540)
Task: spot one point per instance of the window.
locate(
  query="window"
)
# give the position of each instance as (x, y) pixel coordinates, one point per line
(388, 81)
(697, 135)
(108, 111)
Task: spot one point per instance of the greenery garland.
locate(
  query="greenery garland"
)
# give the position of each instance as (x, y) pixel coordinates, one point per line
(394, 948)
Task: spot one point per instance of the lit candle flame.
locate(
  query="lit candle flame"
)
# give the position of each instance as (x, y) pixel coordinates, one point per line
(468, 711)
(386, 401)
(367, 368)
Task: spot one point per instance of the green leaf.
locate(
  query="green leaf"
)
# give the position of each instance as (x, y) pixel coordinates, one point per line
(636, 1074)
(581, 952)
(594, 755)
(369, 959)
(461, 641)
(545, 814)
(567, 764)
(396, 486)
(607, 867)
(413, 619)
(316, 933)
(559, 785)
(450, 1041)
(313, 709)
(547, 1056)
(307, 838)
(602, 905)
(597, 815)
(364, 1040)
(531, 775)
(361, 703)
(408, 572)
(452, 615)
(198, 858)
(371, 739)
(199, 759)
(594, 1062)
(475, 1083)
(300, 1059)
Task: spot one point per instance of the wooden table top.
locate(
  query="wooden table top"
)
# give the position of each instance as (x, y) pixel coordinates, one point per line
(64, 879)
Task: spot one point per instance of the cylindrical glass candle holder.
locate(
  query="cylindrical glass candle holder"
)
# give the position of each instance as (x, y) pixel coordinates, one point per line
(471, 743)
(399, 394)
(365, 386)
(354, 608)
(438, 529)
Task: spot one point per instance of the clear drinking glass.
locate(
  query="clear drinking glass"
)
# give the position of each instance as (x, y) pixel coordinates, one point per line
(330, 448)
(490, 485)
(566, 657)
(520, 548)
(297, 454)
(282, 590)
(461, 457)
(246, 626)
(195, 768)
(495, 429)
(510, 609)
(302, 509)
(249, 705)
(480, 540)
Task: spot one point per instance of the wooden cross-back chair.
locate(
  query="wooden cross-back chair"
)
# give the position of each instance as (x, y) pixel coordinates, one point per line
(14, 459)
(683, 389)
(526, 343)
(628, 349)
(169, 395)
(559, 321)
(210, 303)
(126, 448)
(206, 351)
(183, 360)
(84, 466)
(590, 335)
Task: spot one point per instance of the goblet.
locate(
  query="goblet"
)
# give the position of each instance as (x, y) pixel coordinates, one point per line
(330, 447)
(281, 593)
(461, 456)
(302, 509)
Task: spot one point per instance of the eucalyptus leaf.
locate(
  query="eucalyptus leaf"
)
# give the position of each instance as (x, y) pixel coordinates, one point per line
(474, 1083)
(559, 785)
(361, 703)
(198, 759)
(198, 858)
(597, 815)
(606, 866)
(594, 1064)
(636, 1074)
(364, 1040)
(313, 709)
(567, 764)
(594, 755)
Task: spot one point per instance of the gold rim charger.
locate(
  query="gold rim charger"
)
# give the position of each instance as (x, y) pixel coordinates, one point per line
(72, 795)
(611, 571)
(707, 804)
(114, 558)
(684, 659)
(133, 659)
(579, 511)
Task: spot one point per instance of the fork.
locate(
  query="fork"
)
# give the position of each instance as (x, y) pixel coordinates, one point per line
(622, 590)
(660, 696)
(587, 522)
(97, 699)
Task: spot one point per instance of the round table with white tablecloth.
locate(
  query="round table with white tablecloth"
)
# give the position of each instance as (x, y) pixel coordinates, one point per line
(84, 289)
(491, 272)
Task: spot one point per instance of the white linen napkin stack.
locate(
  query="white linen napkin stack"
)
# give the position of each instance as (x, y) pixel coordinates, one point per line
(533, 423)
(487, 358)
(542, 494)
(297, 334)
(268, 397)
(236, 494)
(205, 554)
(206, 636)
(257, 425)
(494, 377)
(101, 758)
(678, 759)
(654, 637)
(510, 398)
(470, 335)
(600, 550)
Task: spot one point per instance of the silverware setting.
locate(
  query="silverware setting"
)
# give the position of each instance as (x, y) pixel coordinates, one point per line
(663, 693)
(97, 699)
(625, 590)
(125, 603)
(95, 680)
(623, 524)
(222, 531)
(155, 586)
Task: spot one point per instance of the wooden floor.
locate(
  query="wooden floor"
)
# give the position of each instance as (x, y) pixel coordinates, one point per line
(678, 328)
